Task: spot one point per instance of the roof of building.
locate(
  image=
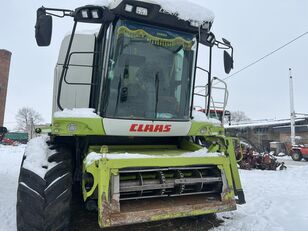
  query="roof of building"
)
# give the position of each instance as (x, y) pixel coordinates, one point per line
(266, 123)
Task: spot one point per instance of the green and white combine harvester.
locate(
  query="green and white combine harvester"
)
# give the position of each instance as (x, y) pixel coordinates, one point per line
(124, 128)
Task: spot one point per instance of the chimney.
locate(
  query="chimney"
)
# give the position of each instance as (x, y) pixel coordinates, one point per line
(5, 60)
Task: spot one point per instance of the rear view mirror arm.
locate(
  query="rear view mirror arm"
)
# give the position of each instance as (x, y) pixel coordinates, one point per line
(65, 12)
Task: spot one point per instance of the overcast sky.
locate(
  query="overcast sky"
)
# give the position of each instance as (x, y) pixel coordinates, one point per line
(255, 28)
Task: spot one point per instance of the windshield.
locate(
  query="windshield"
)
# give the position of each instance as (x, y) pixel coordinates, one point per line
(150, 73)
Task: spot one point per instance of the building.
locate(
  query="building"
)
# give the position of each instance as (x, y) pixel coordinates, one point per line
(5, 60)
(20, 137)
(261, 134)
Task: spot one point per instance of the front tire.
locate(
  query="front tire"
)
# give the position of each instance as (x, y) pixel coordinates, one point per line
(297, 155)
(44, 200)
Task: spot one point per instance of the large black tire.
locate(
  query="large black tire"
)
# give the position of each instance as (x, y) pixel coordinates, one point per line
(297, 155)
(44, 204)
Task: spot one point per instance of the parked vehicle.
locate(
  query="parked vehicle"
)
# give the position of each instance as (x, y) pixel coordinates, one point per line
(299, 152)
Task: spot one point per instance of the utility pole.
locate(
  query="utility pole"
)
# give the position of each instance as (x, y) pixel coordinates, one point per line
(292, 111)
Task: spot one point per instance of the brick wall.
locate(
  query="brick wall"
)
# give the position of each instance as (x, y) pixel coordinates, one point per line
(5, 59)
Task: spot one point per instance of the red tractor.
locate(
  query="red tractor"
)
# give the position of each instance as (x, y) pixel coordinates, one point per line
(298, 152)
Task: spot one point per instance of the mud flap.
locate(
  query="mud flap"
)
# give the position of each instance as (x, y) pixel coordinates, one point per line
(240, 197)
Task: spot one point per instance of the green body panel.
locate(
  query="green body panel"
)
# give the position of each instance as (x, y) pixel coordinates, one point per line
(207, 128)
(84, 126)
(234, 169)
(103, 168)
(94, 126)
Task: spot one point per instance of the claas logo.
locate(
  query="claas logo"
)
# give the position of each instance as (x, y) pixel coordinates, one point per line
(150, 128)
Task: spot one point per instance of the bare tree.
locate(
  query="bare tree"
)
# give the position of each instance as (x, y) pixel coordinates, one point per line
(239, 116)
(26, 118)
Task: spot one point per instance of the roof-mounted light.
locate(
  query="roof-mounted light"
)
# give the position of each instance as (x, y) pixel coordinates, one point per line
(85, 13)
(95, 13)
(195, 23)
(128, 8)
(210, 38)
(89, 14)
(207, 38)
(206, 25)
(141, 11)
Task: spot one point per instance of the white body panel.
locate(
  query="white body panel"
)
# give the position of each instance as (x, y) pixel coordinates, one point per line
(118, 127)
(75, 96)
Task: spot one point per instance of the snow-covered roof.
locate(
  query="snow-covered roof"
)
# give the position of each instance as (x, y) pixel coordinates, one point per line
(263, 123)
(296, 126)
(183, 9)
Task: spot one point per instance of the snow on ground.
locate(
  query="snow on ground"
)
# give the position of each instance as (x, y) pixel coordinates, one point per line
(10, 161)
(276, 200)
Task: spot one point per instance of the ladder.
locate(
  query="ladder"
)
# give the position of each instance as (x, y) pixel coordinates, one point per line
(217, 104)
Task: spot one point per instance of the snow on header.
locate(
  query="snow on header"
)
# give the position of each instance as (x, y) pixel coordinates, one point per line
(201, 117)
(183, 9)
(93, 156)
(76, 113)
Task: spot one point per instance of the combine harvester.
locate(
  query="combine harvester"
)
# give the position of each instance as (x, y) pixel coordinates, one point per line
(124, 130)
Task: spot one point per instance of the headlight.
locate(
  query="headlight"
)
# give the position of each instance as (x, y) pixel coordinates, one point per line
(72, 127)
(203, 131)
(85, 13)
(91, 14)
(141, 11)
(195, 23)
(95, 14)
(128, 8)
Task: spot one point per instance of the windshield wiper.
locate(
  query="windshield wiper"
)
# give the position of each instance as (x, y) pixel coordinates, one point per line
(156, 93)
(118, 96)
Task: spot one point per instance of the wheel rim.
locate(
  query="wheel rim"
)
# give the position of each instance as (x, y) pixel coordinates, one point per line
(296, 155)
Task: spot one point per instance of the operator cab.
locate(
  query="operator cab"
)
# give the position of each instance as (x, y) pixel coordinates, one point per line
(143, 62)
(150, 73)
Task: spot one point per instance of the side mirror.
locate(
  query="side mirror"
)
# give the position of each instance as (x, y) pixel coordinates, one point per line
(43, 28)
(226, 41)
(228, 62)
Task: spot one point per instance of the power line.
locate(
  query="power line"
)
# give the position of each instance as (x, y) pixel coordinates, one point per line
(265, 56)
